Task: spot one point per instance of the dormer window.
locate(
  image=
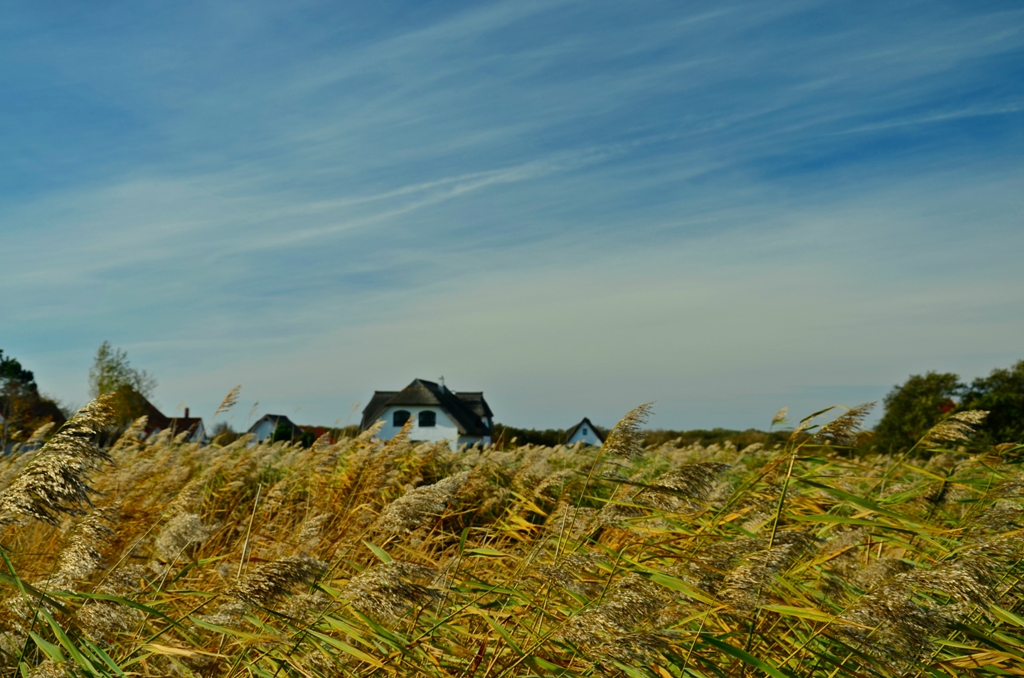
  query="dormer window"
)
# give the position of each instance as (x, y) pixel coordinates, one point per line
(427, 419)
(400, 417)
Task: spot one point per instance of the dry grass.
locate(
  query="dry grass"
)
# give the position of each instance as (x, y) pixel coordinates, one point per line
(369, 558)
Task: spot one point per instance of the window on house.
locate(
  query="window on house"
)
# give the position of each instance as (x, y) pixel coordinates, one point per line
(585, 431)
(428, 418)
(400, 417)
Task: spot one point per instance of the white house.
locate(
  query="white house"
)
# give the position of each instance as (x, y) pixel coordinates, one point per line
(584, 432)
(437, 413)
(265, 427)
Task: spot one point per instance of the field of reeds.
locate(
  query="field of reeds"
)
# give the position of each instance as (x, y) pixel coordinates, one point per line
(370, 558)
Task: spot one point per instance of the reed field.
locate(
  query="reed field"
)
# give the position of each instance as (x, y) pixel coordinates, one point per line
(370, 558)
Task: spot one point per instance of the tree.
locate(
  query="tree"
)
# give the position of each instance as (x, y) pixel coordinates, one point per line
(17, 385)
(282, 432)
(15, 378)
(223, 433)
(1002, 395)
(112, 373)
(22, 409)
(916, 406)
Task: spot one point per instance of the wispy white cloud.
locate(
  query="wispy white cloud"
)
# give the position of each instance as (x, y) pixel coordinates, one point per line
(971, 112)
(538, 198)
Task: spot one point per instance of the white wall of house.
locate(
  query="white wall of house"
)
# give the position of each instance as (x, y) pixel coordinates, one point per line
(264, 430)
(585, 434)
(446, 429)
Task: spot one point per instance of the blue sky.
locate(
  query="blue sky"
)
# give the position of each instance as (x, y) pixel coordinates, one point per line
(575, 207)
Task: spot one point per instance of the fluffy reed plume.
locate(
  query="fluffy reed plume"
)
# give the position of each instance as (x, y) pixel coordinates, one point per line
(780, 416)
(626, 439)
(759, 504)
(842, 562)
(908, 606)
(418, 506)
(570, 522)
(104, 619)
(188, 498)
(843, 429)
(879, 566)
(269, 582)
(552, 485)
(230, 400)
(688, 482)
(180, 534)
(15, 619)
(321, 444)
(632, 650)
(49, 669)
(708, 565)
(55, 482)
(576, 573)
(131, 436)
(387, 590)
(688, 488)
(39, 435)
(83, 553)
(956, 428)
(309, 532)
(371, 433)
(631, 602)
(675, 491)
(889, 624)
(744, 586)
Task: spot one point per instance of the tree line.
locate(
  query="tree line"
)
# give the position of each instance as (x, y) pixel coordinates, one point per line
(910, 409)
(914, 407)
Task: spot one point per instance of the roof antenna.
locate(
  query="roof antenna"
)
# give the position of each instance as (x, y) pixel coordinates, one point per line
(442, 383)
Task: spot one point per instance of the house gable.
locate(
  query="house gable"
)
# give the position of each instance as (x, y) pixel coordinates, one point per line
(584, 432)
(264, 428)
(470, 418)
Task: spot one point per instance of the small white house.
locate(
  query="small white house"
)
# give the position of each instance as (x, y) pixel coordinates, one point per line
(268, 423)
(437, 413)
(584, 432)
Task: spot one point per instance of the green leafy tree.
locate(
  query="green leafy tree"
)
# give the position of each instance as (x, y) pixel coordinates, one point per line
(913, 408)
(282, 432)
(1002, 395)
(17, 391)
(14, 378)
(112, 373)
(22, 408)
(223, 433)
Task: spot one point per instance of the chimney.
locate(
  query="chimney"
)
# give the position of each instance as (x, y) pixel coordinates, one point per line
(186, 413)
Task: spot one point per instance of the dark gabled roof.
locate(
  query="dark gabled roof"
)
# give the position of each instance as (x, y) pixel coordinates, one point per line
(571, 432)
(474, 400)
(468, 410)
(276, 420)
(155, 419)
(182, 424)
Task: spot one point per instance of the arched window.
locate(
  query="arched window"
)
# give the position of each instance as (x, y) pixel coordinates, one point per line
(428, 418)
(400, 417)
